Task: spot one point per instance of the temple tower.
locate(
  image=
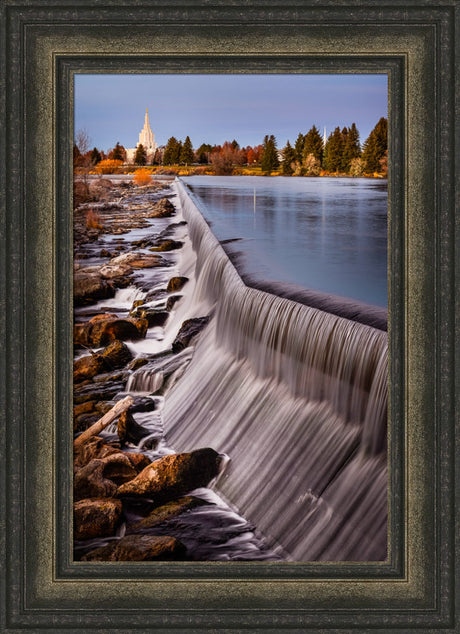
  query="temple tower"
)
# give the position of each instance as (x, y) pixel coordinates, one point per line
(146, 136)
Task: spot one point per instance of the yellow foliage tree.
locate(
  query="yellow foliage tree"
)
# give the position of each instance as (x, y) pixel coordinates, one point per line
(142, 176)
(108, 166)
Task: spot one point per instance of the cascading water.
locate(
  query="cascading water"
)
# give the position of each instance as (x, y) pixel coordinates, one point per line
(297, 398)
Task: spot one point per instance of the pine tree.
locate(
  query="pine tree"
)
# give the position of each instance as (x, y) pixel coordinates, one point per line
(269, 161)
(375, 146)
(352, 148)
(95, 156)
(172, 152)
(313, 144)
(333, 152)
(186, 154)
(203, 153)
(118, 153)
(298, 147)
(140, 158)
(288, 159)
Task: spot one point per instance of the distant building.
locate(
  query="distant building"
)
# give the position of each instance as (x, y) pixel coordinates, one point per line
(146, 138)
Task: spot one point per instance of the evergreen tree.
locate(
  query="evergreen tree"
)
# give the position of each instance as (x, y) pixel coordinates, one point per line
(352, 148)
(333, 152)
(203, 152)
(288, 159)
(140, 158)
(95, 156)
(186, 154)
(313, 144)
(156, 158)
(118, 153)
(375, 146)
(235, 145)
(298, 147)
(269, 161)
(172, 152)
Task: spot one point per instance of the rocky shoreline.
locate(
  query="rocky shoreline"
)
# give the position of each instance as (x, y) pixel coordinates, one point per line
(133, 498)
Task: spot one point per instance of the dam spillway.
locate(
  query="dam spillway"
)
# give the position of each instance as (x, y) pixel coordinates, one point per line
(297, 398)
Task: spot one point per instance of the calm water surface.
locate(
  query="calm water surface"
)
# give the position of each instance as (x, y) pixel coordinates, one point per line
(325, 234)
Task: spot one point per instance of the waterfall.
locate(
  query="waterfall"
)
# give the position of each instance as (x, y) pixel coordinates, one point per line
(297, 398)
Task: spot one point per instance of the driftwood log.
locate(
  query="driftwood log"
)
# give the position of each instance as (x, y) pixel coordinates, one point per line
(103, 422)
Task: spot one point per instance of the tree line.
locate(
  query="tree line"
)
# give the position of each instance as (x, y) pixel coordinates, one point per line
(308, 156)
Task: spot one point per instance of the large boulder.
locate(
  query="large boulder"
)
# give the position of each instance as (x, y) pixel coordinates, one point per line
(172, 476)
(115, 356)
(103, 329)
(189, 329)
(139, 548)
(101, 477)
(96, 517)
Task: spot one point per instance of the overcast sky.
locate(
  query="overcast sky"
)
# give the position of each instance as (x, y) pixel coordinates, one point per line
(217, 108)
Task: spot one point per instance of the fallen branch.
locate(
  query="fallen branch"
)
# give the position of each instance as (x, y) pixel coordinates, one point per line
(103, 422)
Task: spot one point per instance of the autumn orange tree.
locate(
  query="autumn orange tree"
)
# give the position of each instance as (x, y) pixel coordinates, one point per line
(109, 166)
(142, 177)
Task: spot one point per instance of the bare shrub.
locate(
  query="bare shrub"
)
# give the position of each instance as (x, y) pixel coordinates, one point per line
(93, 220)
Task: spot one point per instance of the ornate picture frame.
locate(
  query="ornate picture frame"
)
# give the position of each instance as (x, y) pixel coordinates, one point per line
(45, 44)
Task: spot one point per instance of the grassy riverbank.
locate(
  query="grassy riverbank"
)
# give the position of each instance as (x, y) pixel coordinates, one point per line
(208, 170)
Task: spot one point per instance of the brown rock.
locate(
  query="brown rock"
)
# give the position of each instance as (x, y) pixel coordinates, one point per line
(166, 245)
(94, 448)
(90, 287)
(116, 355)
(104, 553)
(83, 421)
(167, 511)
(176, 283)
(96, 517)
(136, 260)
(129, 430)
(112, 271)
(136, 363)
(84, 408)
(139, 548)
(162, 209)
(101, 476)
(172, 301)
(103, 332)
(188, 331)
(87, 367)
(138, 460)
(174, 475)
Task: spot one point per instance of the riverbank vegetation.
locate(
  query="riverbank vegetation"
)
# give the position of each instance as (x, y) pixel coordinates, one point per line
(341, 154)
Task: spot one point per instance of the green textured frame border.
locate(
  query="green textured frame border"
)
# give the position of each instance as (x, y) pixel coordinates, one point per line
(43, 44)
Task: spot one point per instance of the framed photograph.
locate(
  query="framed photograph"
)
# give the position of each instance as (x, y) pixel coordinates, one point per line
(148, 280)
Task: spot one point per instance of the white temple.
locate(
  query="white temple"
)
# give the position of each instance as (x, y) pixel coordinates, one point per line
(146, 138)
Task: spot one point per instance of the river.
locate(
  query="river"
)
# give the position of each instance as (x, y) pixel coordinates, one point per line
(325, 234)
